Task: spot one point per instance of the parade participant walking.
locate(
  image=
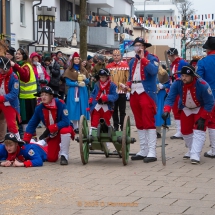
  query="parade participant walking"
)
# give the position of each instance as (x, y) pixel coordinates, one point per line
(176, 66)
(19, 154)
(119, 72)
(205, 69)
(39, 70)
(102, 99)
(77, 97)
(163, 85)
(54, 115)
(196, 102)
(142, 80)
(9, 92)
(28, 86)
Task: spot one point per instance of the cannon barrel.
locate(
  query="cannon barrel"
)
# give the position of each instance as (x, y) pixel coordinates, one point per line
(104, 127)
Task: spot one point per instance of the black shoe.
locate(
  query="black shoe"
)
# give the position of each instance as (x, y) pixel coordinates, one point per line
(158, 135)
(208, 156)
(195, 161)
(137, 157)
(176, 138)
(63, 160)
(116, 129)
(186, 157)
(76, 131)
(149, 159)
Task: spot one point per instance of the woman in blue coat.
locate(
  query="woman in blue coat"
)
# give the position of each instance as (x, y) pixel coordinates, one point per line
(76, 77)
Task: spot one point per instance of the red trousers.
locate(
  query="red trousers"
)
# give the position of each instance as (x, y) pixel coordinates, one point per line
(96, 115)
(54, 144)
(175, 110)
(211, 122)
(10, 117)
(188, 122)
(144, 110)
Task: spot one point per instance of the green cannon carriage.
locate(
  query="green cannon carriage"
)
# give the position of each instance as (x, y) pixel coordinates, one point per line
(98, 138)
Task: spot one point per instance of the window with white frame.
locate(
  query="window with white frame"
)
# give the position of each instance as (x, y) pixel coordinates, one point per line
(22, 13)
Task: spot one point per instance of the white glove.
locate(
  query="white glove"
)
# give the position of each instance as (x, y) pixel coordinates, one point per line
(161, 86)
(128, 96)
(81, 84)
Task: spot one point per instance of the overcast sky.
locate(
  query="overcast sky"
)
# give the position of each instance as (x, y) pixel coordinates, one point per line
(204, 6)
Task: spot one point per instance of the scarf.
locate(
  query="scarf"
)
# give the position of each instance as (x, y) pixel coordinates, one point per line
(5, 76)
(51, 105)
(12, 156)
(76, 67)
(41, 74)
(104, 88)
(211, 52)
(20, 62)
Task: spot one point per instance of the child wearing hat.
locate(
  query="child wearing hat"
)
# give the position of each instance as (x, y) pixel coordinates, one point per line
(19, 154)
(196, 104)
(102, 98)
(54, 115)
(9, 92)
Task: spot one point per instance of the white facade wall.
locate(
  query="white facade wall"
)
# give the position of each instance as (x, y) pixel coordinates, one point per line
(21, 32)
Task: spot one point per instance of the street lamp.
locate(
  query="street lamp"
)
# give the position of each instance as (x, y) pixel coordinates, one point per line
(144, 18)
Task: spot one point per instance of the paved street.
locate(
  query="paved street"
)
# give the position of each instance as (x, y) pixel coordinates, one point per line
(105, 186)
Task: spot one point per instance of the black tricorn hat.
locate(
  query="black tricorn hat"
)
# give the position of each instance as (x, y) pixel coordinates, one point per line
(11, 51)
(4, 63)
(141, 40)
(209, 44)
(188, 70)
(46, 89)
(172, 51)
(13, 137)
(104, 72)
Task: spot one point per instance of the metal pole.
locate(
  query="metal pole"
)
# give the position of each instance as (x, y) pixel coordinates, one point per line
(144, 19)
(4, 17)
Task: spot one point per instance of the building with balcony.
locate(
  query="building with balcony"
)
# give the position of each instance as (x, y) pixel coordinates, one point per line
(97, 37)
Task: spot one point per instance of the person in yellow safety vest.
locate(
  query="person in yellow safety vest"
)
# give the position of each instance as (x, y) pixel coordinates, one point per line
(28, 86)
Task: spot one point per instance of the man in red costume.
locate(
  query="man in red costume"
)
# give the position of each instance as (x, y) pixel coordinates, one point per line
(176, 66)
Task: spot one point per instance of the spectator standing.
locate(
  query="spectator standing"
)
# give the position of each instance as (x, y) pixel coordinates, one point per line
(76, 77)
(100, 65)
(28, 86)
(53, 69)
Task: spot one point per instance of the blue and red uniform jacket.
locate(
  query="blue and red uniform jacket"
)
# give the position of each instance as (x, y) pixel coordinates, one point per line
(206, 69)
(111, 93)
(200, 91)
(32, 155)
(12, 90)
(149, 69)
(176, 66)
(59, 114)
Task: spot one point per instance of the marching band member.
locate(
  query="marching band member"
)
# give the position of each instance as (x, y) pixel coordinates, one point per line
(9, 92)
(205, 68)
(142, 81)
(119, 71)
(196, 103)
(19, 154)
(54, 115)
(176, 66)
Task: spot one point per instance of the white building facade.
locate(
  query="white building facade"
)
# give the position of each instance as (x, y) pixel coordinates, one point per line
(21, 20)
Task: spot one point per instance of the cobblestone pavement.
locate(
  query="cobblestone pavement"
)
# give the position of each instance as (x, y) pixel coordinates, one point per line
(105, 186)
